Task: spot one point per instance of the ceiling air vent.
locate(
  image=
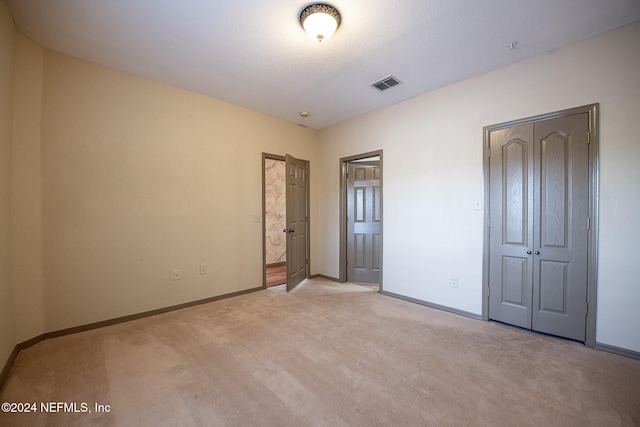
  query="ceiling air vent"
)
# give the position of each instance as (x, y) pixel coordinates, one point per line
(385, 83)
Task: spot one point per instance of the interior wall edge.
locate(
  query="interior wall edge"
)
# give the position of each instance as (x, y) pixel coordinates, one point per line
(26, 190)
(8, 34)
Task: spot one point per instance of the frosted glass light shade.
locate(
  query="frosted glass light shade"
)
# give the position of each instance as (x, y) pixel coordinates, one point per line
(319, 21)
(320, 26)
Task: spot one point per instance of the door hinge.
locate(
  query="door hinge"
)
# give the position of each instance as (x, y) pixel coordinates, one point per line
(488, 291)
(586, 308)
(588, 137)
(489, 222)
(489, 152)
(588, 223)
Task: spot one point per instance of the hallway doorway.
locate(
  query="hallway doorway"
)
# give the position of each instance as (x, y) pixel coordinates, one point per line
(361, 219)
(274, 215)
(285, 210)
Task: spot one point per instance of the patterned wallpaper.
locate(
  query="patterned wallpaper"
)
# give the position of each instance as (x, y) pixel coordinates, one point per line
(275, 211)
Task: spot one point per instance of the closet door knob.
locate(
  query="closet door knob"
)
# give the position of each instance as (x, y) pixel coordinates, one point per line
(537, 252)
(528, 252)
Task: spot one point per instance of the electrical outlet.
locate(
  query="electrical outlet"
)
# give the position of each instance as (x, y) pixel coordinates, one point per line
(203, 268)
(176, 274)
(454, 282)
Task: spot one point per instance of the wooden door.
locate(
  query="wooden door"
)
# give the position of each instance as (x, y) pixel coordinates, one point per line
(297, 181)
(363, 223)
(538, 238)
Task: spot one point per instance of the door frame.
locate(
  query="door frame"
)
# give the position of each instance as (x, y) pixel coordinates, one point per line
(266, 156)
(592, 246)
(342, 278)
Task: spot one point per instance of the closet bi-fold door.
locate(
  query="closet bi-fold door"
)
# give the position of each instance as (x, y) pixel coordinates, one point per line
(539, 198)
(511, 230)
(560, 246)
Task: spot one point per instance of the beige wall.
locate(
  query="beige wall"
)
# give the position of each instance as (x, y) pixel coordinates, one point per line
(433, 174)
(141, 179)
(7, 46)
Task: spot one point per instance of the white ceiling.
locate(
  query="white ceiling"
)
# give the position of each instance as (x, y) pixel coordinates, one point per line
(254, 53)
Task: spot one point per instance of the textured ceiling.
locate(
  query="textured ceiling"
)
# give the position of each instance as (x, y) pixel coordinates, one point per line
(254, 53)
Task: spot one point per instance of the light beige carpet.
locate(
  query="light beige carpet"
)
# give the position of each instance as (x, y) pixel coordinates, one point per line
(324, 355)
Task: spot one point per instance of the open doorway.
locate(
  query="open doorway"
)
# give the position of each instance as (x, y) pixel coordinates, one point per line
(285, 209)
(361, 218)
(275, 207)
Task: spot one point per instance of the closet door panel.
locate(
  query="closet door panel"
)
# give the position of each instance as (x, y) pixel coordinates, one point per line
(511, 213)
(561, 181)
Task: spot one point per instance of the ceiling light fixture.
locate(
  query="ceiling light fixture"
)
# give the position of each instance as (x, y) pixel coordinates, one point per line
(320, 21)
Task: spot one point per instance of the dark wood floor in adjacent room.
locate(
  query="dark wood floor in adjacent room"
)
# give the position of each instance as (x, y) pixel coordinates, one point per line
(276, 274)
